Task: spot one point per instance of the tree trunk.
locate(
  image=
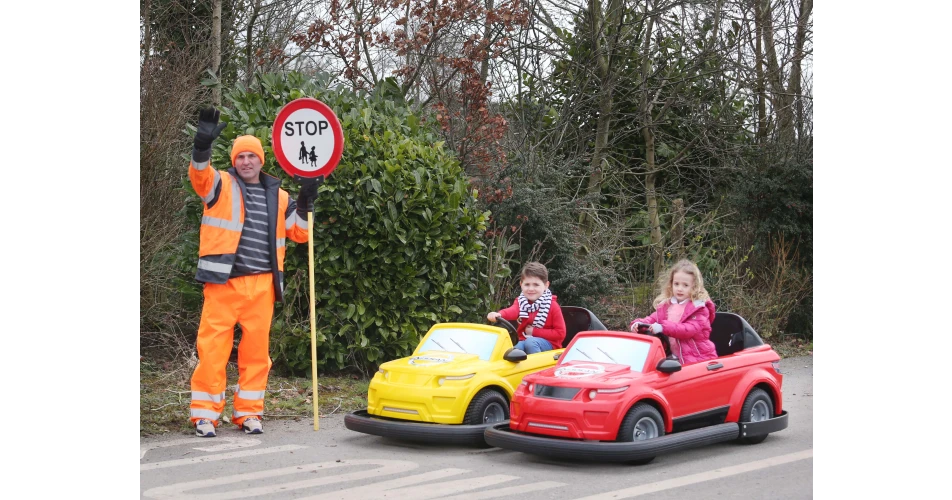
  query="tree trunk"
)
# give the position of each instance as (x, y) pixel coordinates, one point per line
(781, 98)
(487, 32)
(603, 50)
(602, 131)
(677, 228)
(216, 50)
(647, 131)
(249, 43)
(785, 96)
(654, 220)
(761, 88)
(806, 9)
(147, 34)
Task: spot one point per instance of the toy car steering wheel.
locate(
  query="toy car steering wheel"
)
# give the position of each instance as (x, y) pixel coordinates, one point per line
(513, 332)
(646, 330)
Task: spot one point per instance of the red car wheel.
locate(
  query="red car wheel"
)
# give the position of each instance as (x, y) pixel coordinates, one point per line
(757, 407)
(642, 422)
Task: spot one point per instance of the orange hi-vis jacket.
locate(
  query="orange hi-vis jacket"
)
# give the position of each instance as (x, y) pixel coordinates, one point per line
(222, 193)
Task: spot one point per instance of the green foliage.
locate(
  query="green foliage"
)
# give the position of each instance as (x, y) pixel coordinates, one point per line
(775, 198)
(396, 230)
(578, 278)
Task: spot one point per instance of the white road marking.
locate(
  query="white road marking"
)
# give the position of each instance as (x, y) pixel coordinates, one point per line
(416, 491)
(512, 491)
(415, 487)
(230, 443)
(701, 477)
(180, 490)
(215, 458)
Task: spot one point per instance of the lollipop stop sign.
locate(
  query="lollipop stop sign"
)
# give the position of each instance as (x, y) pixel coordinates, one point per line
(307, 138)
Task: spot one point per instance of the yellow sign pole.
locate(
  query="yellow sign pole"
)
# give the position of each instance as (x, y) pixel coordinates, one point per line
(310, 267)
(284, 142)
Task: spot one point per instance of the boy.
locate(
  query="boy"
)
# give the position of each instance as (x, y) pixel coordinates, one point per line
(542, 327)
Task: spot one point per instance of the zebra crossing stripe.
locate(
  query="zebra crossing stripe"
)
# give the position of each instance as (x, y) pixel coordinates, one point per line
(216, 458)
(229, 443)
(701, 477)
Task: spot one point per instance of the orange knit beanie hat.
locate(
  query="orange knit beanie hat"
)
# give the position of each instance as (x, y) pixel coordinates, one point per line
(247, 143)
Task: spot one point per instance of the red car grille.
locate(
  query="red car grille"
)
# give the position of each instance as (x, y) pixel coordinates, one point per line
(548, 391)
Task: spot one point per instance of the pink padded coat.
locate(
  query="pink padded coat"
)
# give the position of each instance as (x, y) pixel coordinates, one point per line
(691, 336)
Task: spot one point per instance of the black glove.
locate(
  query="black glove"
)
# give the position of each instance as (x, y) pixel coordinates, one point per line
(307, 194)
(208, 131)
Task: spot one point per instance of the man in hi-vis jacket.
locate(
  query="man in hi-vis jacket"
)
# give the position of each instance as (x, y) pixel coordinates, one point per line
(246, 219)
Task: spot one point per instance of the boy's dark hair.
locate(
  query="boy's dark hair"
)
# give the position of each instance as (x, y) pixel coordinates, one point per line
(535, 270)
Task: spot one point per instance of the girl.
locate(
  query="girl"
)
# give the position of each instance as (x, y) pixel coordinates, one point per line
(684, 312)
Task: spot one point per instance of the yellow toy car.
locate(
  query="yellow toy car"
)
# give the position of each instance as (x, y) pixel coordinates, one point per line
(458, 381)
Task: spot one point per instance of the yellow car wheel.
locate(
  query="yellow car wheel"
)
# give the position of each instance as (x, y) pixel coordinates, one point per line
(487, 407)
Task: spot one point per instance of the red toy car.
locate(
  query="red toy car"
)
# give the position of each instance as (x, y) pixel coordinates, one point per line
(619, 396)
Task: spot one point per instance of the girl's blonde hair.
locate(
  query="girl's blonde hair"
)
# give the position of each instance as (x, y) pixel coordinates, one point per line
(687, 267)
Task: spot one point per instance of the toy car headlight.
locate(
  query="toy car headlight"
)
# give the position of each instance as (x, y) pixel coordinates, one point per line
(594, 392)
(455, 377)
(382, 372)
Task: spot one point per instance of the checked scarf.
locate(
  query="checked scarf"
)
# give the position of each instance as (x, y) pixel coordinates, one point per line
(542, 305)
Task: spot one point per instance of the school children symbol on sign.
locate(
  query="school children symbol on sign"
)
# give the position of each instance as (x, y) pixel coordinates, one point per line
(307, 138)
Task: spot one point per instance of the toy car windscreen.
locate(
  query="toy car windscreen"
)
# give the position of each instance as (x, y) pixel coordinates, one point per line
(615, 350)
(461, 340)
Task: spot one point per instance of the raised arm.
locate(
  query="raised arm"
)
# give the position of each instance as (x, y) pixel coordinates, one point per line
(206, 181)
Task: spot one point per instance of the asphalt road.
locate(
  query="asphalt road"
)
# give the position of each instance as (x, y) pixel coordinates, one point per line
(292, 460)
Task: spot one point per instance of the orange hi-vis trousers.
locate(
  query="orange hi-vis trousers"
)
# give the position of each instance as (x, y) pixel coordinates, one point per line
(248, 301)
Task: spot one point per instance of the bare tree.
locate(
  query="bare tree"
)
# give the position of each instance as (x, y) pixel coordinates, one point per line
(784, 71)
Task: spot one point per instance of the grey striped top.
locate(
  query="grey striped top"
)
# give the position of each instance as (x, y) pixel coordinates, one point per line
(253, 255)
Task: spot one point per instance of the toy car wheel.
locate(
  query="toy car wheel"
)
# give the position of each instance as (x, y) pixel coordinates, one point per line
(642, 422)
(488, 407)
(757, 408)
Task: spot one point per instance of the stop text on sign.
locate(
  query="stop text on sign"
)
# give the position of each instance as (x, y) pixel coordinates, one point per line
(306, 128)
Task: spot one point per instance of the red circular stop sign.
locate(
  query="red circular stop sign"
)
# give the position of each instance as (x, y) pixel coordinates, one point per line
(307, 138)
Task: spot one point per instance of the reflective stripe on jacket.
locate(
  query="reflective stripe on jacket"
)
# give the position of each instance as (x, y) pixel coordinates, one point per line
(222, 193)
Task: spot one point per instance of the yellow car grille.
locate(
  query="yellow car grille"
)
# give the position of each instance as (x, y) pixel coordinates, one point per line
(409, 378)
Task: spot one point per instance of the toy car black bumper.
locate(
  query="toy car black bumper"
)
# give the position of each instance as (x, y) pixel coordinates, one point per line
(501, 436)
(753, 429)
(404, 430)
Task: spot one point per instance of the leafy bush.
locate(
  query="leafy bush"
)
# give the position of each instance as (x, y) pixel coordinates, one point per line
(396, 230)
(773, 199)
